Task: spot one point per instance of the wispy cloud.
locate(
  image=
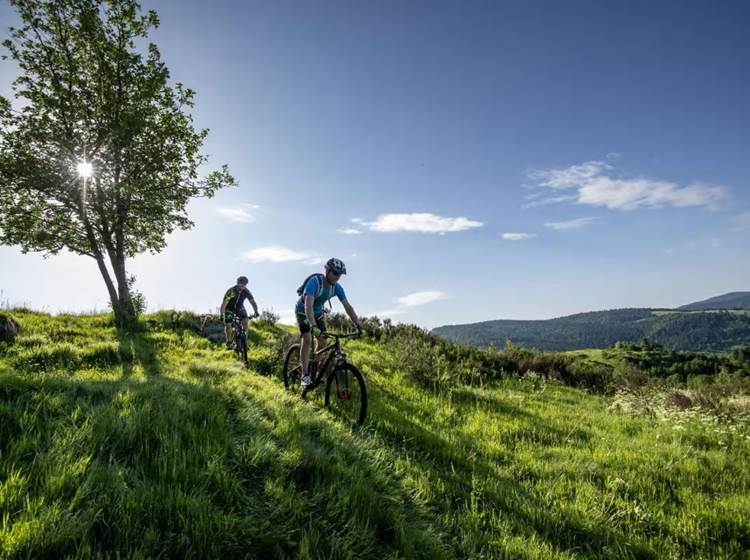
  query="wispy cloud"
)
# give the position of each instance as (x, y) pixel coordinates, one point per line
(389, 312)
(578, 223)
(518, 236)
(420, 298)
(418, 222)
(241, 213)
(412, 300)
(742, 221)
(593, 183)
(279, 254)
(349, 231)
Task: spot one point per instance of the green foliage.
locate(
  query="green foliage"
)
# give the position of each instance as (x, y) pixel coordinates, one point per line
(732, 300)
(709, 331)
(159, 443)
(268, 317)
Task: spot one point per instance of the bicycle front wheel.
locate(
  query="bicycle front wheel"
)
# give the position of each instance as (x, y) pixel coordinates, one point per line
(242, 348)
(346, 394)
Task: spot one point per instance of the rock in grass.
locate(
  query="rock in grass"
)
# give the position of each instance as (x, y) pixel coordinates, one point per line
(212, 328)
(8, 329)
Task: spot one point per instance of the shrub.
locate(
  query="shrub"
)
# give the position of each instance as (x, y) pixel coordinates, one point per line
(678, 399)
(268, 318)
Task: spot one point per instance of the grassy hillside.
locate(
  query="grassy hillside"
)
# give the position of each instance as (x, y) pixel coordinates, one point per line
(708, 331)
(158, 444)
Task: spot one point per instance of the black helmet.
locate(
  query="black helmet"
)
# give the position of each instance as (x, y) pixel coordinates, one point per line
(242, 280)
(336, 265)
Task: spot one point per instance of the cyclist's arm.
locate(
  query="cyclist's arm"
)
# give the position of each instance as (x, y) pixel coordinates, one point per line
(309, 311)
(350, 311)
(251, 299)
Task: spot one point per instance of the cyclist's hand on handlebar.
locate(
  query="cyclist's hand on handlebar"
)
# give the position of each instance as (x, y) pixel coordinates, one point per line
(256, 315)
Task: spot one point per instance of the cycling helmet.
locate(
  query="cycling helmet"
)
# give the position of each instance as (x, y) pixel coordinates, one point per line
(242, 280)
(336, 265)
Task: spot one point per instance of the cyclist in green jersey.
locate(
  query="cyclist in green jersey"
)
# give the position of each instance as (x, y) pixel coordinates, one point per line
(234, 304)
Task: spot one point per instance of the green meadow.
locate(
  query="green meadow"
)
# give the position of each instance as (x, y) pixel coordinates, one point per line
(158, 444)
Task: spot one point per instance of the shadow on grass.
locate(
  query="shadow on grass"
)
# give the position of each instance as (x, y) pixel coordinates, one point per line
(142, 349)
(168, 467)
(467, 472)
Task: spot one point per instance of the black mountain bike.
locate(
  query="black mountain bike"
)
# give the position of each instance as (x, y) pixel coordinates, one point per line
(346, 392)
(240, 340)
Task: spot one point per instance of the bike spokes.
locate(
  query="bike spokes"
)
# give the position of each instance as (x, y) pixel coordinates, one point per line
(346, 395)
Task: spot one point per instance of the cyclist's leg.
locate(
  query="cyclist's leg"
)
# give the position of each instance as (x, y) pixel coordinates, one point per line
(243, 316)
(305, 332)
(227, 330)
(320, 322)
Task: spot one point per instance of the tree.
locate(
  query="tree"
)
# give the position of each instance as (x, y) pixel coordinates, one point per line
(92, 89)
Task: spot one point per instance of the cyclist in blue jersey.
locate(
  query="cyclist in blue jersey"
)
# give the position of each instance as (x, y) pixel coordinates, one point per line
(314, 293)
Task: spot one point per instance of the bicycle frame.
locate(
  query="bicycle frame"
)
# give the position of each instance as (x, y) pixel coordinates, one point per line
(337, 354)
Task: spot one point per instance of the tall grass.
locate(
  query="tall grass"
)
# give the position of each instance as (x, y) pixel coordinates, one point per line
(158, 444)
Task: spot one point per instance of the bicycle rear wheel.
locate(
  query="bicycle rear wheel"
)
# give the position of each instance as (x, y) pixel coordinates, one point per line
(346, 394)
(292, 369)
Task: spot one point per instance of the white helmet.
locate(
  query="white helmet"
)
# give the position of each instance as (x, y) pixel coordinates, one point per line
(336, 265)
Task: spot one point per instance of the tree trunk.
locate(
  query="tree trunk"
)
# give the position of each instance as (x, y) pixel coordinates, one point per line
(126, 317)
(119, 297)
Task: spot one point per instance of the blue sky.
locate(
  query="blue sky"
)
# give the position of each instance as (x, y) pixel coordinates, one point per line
(499, 160)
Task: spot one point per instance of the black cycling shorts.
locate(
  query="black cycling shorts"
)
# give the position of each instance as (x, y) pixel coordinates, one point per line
(304, 324)
(241, 312)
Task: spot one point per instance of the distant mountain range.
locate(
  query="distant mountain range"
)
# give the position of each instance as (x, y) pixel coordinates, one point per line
(732, 300)
(715, 324)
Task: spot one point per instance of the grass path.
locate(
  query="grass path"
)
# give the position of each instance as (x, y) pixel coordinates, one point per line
(159, 444)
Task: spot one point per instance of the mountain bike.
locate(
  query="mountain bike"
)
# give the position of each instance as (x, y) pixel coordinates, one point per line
(346, 392)
(240, 339)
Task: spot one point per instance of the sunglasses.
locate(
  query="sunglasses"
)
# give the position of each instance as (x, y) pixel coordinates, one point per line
(336, 274)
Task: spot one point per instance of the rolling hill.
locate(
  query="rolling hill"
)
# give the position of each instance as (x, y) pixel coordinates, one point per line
(698, 326)
(732, 300)
(158, 444)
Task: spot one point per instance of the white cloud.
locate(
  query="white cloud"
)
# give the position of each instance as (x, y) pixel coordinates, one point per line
(742, 221)
(349, 231)
(578, 223)
(280, 254)
(388, 312)
(518, 236)
(568, 177)
(239, 214)
(594, 184)
(411, 300)
(420, 298)
(418, 222)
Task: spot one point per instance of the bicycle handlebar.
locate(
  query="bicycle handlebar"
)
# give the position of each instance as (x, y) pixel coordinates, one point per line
(339, 336)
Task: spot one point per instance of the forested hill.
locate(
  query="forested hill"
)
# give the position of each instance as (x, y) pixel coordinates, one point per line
(711, 330)
(732, 300)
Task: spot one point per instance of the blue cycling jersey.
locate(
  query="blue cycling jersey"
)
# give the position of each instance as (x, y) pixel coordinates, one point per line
(312, 288)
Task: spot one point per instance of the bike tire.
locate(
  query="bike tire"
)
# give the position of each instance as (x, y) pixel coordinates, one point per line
(242, 343)
(346, 393)
(292, 373)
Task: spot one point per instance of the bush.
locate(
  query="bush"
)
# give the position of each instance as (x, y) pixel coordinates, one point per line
(268, 318)
(174, 321)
